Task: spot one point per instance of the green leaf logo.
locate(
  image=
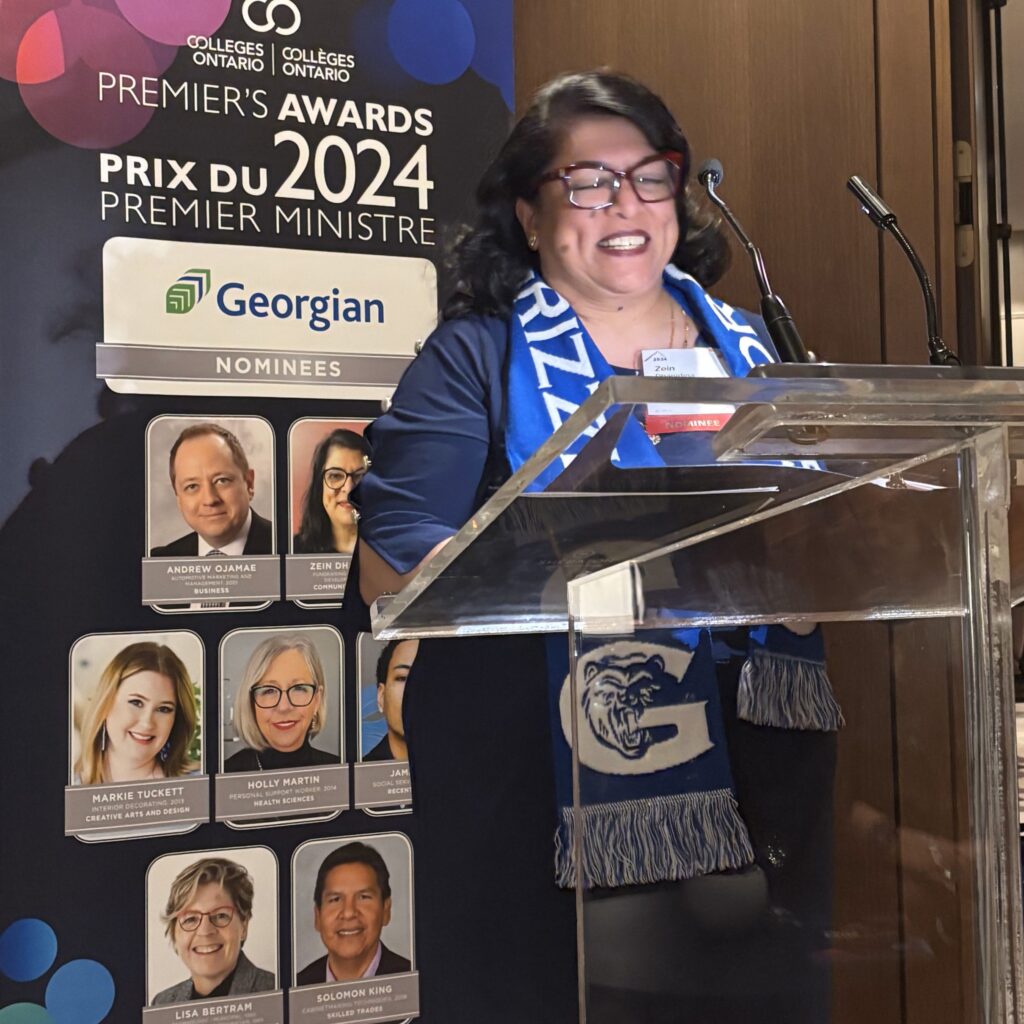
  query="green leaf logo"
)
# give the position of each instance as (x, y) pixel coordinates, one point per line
(188, 290)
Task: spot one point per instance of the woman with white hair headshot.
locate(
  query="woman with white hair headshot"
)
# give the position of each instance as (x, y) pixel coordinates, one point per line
(280, 705)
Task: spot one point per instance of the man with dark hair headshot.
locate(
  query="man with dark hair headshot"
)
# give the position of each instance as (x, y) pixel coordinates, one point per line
(392, 671)
(351, 905)
(214, 485)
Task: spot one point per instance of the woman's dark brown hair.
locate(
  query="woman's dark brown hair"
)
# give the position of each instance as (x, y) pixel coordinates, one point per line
(490, 258)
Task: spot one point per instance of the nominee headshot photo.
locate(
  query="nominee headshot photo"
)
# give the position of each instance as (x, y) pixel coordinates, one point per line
(352, 914)
(135, 702)
(210, 487)
(326, 460)
(281, 698)
(211, 925)
(383, 669)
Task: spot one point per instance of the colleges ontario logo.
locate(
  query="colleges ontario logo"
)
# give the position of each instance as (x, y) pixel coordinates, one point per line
(188, 290)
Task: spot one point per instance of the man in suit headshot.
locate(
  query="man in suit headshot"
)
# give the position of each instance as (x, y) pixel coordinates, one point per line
(351, 905)
(393, 667)
(213, 485)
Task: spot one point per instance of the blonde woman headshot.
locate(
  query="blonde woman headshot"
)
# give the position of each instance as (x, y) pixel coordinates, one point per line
(280, 706)
(206, 920)
(141, 719)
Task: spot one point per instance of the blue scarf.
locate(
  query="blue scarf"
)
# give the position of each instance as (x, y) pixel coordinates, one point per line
(656, 790)
(554, 366)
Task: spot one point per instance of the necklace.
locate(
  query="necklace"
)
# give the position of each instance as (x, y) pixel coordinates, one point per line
(672, 329)
(687, 322)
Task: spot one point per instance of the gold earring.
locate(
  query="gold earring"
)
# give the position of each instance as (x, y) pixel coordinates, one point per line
(532, 241)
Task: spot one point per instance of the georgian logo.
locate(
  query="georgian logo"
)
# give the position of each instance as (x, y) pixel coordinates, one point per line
(635, 714)
(189, 290)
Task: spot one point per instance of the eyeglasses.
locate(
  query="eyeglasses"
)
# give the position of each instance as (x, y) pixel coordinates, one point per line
(335, 479)
(592, 186)
(221, 917)
(300, 695)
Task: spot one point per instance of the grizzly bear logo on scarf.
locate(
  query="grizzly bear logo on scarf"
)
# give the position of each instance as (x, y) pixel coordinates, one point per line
(635, 714)
(617, 690)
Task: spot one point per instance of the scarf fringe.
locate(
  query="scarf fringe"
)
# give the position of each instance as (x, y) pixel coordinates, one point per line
(787, 693)
(635, 842)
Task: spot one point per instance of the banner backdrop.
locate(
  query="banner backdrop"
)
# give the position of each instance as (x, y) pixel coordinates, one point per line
(220, 219)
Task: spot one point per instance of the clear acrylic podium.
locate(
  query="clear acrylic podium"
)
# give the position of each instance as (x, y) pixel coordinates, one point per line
(877, 502)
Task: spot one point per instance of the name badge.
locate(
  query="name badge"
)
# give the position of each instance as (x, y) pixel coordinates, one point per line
(679, 416)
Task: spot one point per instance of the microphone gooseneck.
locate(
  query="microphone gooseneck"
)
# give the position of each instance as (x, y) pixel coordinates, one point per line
(885, 220)
(781, 328)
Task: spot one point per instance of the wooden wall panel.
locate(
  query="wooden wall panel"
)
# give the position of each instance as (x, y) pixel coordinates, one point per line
(811, 115)
(909, 159)
(944, 162)
(794, 97)
(783, 93)
(936, 867)
(968, 126)
(866, 969)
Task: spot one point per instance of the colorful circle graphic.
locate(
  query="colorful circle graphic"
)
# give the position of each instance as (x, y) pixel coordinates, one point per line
(28, 948)
(62, 59)
(433, 40)
(173, 23)
(25, 1013)
(80, 992)
(15, 18)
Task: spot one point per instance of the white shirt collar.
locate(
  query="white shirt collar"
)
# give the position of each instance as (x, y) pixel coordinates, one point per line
(235, 548)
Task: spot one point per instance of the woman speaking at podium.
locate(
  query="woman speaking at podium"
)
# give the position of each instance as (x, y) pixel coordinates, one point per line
(588, 248)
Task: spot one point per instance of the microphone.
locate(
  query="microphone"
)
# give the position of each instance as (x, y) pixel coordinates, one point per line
(781, 328)
(711, 170)
(885, 220)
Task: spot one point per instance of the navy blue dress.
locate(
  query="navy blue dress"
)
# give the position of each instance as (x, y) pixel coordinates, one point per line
(495, 936)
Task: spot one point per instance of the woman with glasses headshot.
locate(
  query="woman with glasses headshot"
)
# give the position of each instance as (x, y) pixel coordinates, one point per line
(328, 519)
(280, 705)
(207, 920)
(590, 245)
